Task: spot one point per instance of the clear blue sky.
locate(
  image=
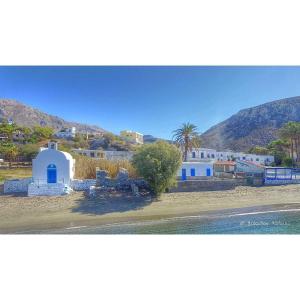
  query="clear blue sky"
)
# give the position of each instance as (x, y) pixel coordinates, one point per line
(151, 100)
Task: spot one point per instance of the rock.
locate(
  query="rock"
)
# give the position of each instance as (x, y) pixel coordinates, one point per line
(122, 175)
(135, 189)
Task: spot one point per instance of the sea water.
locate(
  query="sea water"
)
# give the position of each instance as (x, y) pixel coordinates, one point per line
(240, 221)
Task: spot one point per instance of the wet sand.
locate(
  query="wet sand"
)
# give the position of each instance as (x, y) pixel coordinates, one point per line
(19, 213)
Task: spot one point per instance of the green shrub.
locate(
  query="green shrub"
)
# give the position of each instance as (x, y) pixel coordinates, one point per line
(287, 162)
(29, 151)
(158, 164)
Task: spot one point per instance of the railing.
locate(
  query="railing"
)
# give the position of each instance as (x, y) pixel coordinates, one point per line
(282, 173)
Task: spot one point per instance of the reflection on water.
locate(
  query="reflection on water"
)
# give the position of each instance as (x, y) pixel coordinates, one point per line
(274, 222)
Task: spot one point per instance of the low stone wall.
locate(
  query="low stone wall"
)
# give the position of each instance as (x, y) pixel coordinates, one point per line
(280, 182)
(17, 185)
(208, 185)
(121, 182)
(82, 185)
(51, 189)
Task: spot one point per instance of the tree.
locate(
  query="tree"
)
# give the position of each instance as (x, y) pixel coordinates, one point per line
(259, 150)
(9, 151)
(158, 164)
(80, 141)
(7, 129)
(291, 132)
(187, 138)
(29, 151)
(279, 149)
(42, 133)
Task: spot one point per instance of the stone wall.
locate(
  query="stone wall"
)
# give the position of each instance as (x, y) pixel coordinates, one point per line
(17, 185)
(82, 185)
(208, 185)
(52, 189)
(121, 182)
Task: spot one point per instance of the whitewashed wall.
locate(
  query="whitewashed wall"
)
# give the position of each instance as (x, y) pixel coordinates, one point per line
(52, 189)
(200, 168)
(17, 185)
(63, 162)
(82, 185)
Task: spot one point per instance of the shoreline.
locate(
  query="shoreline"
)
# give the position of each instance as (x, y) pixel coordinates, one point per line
(24, 214)
(211, 215)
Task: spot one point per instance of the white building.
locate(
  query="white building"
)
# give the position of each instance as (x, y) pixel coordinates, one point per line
(132, 136)
(52, 172)
(66, 133)
(198, 154)
(196, 170)
(105, 154)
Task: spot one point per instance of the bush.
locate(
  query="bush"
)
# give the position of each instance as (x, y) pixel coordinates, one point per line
(29, 151)
(158, 164)
(287, 162)
(85, 167)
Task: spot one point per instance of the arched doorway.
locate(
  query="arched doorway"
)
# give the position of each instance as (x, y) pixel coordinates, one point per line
(51, 174)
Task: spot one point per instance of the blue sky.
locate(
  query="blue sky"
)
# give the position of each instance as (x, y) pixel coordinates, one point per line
(151, 100)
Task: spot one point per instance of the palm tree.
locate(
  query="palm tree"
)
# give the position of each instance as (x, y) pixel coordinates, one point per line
(187, 137)
(291, 132)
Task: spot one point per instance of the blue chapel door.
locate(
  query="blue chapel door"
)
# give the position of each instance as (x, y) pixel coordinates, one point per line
(51, 174)
(208, 172)
(183, 174)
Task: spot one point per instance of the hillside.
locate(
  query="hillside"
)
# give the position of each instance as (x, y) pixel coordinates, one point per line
(253, 126)
(24, 115)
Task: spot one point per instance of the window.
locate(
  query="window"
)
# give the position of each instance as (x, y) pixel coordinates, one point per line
(213, 156)
(208, 155)
(92, 154)
(194, 154)
(257, 159)
(202, 155)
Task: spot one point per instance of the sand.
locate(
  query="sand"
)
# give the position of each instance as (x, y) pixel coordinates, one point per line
(19, 213)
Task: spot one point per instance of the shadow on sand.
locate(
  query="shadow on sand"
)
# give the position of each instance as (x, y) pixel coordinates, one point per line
(112, 202)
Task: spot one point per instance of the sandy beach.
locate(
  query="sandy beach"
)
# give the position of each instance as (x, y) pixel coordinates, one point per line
(19, 213)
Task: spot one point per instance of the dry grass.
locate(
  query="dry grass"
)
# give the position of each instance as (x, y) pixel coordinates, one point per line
(85, 167)
(14, 173)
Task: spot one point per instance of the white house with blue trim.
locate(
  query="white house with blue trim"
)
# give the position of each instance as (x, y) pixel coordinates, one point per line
(196, 170)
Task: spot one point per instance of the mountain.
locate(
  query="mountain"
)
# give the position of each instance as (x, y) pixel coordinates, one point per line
(256, 126)
(24, 115)
(149, 139)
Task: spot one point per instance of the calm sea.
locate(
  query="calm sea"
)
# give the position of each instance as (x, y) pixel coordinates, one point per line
(257, 220)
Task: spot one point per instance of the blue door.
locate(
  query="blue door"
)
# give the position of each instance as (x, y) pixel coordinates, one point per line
(51, 174)
(183, 174)
(208, 172)
(193, 172)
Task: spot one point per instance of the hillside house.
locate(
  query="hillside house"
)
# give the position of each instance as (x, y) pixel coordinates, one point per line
(105, 154)
(3, 137)
(66, 133)
(132, 136)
